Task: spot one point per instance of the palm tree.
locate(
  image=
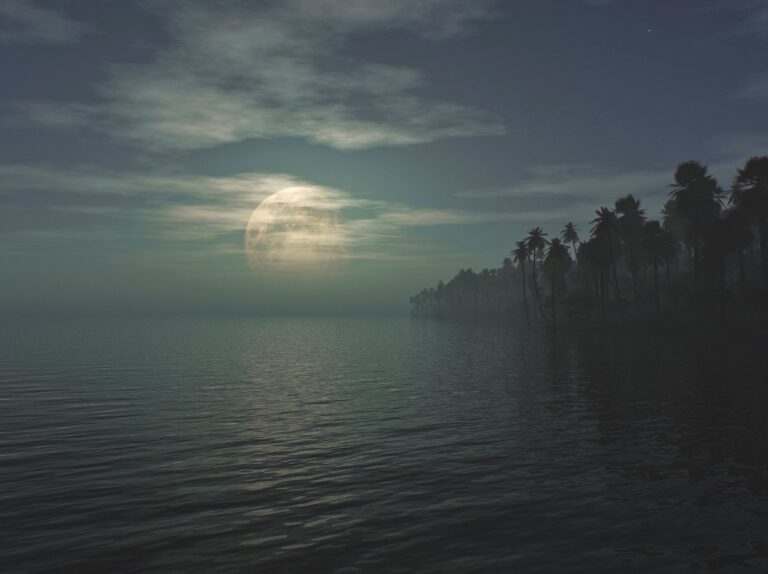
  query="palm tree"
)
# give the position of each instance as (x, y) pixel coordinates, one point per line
(439, 296)
(721, 239)
(675, 230)
(432, 298)
(630, 227)
(536, 242)
(697, 198)
(592, 255)
(751, 192)
(520, 256)
(742, 236)
(654, 242)
(694, 222)
(587, 268)
(675, 223)
(604, 230)
(556, 254)
(569, 234)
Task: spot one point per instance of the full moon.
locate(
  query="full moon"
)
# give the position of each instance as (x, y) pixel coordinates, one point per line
(295, 228)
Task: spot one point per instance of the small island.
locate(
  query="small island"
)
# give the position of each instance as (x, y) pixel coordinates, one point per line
(705, 259)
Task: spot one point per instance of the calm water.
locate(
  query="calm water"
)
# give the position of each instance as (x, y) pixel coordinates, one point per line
(365, 445)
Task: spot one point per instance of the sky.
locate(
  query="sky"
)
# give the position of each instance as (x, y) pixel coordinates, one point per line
(137, 137)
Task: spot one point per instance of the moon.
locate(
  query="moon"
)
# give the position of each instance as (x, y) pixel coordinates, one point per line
(297, 228)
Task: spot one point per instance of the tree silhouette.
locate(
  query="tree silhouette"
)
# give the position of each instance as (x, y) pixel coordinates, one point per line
(655, 243)
(536, 243)
(675, 223)
(440, 295)
(750, 191)
(570, 234)
(631, 219)
(520, 256)
(697, 198)
(604, 230)
(742, 237)
(557, 257)
(720, 240)
(593, 256)
(716, 242)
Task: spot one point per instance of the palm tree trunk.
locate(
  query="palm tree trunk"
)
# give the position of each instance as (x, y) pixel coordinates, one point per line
(656, 283)
(602, 294)
(763, 230)
(525, 296)
(533, 283)
(554, 316)
(696, 258)
(633, 270)
(742, 271)
(722, 292)
(536, 290)
(615, 274)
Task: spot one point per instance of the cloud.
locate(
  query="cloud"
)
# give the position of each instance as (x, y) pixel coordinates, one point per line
(730, 6)
(236, 71)
(584, 181)
(557, 193)
(755, 88)
(757, 23)
(199, 213)
(735, 148)
(24, 22)
(52, 115)
(213, 211)
(161, 187)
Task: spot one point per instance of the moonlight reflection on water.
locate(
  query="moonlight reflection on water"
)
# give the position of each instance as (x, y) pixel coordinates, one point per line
(301, 445)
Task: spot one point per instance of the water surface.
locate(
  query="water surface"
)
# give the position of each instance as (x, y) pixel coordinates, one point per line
(363, 445)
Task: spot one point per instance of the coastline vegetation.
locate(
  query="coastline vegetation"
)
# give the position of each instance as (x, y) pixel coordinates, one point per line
(704, 260)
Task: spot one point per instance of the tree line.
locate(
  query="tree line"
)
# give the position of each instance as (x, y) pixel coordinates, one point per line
(708, 250)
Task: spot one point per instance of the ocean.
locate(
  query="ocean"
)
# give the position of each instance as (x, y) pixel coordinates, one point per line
(378, 445)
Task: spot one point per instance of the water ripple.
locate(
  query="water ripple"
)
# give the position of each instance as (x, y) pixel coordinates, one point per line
(309, 445)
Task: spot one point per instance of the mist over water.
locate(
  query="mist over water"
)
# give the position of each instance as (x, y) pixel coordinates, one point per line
(320, 445)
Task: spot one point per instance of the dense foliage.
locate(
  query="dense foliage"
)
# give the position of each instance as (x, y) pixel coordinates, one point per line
(708, 250)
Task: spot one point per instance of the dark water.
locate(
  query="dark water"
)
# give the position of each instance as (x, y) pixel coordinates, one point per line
(366, 445)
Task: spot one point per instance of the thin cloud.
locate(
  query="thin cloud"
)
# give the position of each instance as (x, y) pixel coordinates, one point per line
(739, 146)
(757, 23)
(234, 72)
(207, 213)
(585, 181)
(755, 88)
(25, 22)
(162, 187)
(556, 193)
(51, 115)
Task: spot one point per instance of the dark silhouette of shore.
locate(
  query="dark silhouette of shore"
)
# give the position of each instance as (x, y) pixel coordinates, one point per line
(704, 263)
